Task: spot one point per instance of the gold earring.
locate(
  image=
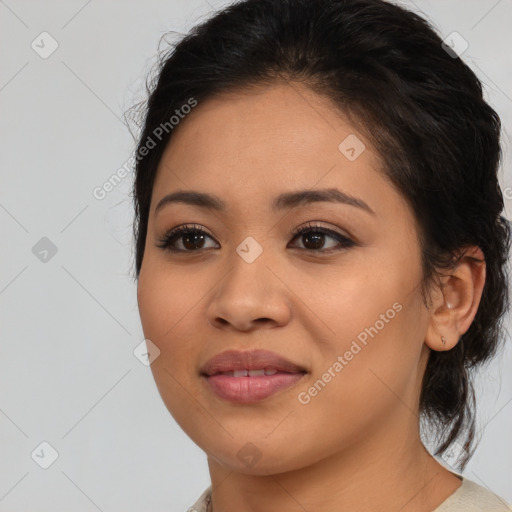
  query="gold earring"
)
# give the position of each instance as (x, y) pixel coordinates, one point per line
(443, 340)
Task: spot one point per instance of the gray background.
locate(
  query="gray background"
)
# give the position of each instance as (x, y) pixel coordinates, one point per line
(69, 323)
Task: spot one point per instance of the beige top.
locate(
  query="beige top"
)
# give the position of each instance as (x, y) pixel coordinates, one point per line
(469, 497)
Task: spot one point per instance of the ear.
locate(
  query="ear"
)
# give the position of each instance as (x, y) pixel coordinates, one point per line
(454, 307)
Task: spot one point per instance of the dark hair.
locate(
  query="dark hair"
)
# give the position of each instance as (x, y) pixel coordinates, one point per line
(422, 108)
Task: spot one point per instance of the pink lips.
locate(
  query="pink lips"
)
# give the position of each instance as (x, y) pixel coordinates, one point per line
(250, 376)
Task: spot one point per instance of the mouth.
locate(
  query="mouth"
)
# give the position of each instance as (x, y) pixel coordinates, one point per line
(251, 376)
(249, 373)
(251, 361)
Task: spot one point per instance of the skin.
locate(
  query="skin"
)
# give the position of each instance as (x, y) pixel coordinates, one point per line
(355, 445)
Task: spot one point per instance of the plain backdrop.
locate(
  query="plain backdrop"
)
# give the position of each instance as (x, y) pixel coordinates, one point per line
(69, 320)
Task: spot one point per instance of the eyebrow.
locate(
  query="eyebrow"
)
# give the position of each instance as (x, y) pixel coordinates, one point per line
(284, 201)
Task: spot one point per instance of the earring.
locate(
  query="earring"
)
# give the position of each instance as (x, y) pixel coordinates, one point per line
(443, 340)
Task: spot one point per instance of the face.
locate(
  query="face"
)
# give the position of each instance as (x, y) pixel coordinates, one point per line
(339, 301)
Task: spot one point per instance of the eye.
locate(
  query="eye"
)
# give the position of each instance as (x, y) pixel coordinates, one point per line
(314, 236)
(192, 239)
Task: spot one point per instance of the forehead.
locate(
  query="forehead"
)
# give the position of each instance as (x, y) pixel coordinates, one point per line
(289, 119)
(256, 142)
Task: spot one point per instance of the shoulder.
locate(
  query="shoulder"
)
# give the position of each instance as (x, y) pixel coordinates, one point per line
(203, 503)
(471, 497)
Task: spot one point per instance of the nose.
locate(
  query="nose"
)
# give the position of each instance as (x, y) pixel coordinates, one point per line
(250, 296)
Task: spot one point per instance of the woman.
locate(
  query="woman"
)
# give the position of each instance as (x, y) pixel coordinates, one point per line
(321, 256)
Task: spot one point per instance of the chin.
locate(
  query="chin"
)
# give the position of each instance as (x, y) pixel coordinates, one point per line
(257, 458)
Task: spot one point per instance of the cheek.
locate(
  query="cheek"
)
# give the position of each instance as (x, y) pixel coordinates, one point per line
(359, 386)
(165, 296)
(164, 307)
(373, 336)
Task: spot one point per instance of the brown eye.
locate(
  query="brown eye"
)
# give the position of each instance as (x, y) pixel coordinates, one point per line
(192, 239)
(314, 237)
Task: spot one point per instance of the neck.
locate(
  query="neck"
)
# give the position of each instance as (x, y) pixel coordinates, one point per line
(379, 472)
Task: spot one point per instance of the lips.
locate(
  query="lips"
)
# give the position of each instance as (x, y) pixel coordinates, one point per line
(248, 377)
(249, 361)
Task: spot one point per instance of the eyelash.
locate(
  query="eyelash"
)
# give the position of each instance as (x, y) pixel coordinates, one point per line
(165, 242)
